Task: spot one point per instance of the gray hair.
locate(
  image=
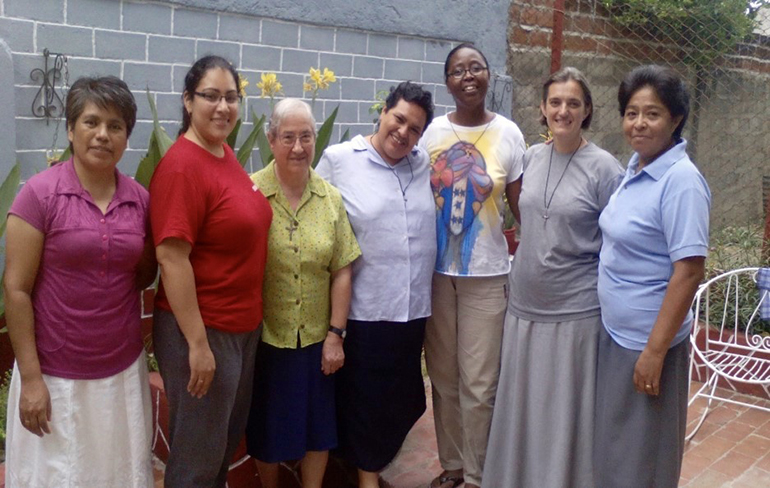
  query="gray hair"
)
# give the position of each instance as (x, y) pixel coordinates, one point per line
(289, 106)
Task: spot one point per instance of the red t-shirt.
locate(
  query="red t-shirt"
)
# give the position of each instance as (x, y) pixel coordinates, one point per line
(211, 203)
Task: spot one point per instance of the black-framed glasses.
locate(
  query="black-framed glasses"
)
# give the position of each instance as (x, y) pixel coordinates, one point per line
(475, 70)
(214, 97)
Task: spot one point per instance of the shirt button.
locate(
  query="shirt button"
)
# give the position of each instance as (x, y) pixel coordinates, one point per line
(101, 273)
(104, 256)
(104, 237)
(297, 302)
(296, 249)
(296, 276)
(302, 326)
(102, 221)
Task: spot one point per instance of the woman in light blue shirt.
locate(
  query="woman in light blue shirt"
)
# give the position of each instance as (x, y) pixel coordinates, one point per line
(655, 238)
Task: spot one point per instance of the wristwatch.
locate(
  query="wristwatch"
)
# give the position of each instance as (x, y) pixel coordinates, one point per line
(340, 332)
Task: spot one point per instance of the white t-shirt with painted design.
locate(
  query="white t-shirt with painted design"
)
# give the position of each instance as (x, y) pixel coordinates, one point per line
(470, 167)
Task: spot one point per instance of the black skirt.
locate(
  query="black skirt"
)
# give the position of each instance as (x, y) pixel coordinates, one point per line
(380, 390)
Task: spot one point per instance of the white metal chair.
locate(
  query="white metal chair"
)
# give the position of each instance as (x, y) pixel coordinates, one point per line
(727, 337)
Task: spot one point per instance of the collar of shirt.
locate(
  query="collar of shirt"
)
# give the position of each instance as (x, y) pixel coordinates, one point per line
(69, 184)
(658, 168)
(270, 187)
(360, 143)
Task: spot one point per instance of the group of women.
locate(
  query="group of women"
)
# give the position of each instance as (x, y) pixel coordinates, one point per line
(567, 368)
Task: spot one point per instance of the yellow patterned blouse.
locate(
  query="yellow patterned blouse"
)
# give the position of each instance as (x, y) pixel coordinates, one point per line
(304, 247)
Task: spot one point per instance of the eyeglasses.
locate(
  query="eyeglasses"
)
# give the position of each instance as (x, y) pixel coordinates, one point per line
(289, 140)
(213, 97)
(475, 70)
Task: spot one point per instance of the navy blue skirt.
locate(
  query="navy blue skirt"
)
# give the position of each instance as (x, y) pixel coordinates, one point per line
(292, 408)
(380, 390)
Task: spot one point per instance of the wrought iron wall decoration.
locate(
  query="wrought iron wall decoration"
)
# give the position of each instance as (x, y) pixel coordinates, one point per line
(501, 89)
(47, 102)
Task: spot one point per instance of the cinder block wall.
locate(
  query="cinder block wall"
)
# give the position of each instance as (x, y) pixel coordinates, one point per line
(151, 46)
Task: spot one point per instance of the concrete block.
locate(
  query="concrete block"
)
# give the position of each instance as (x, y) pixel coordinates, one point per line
(260, 106)
(355, 89)
(396, 69)
(299, 61)
(411, 48)
(367, 67)
(195, 23)
(334, 92)
(280, 33)
(383, 45)
(139, 76)
(142, 105)
(177, 74)
(92, 67)
(23, 64)
(161, 49)
(363, 112)
(347, 112)
(437, 50)
(94, 13)
(46, 10)
(130, 161)
(341, 64)
(33, 162)
(23, 96)
(355, 130)
(433, 73)
(120, 45)
(316, 38)
(74, 41)
(384, 86)
(33, 133)
(348, 41)
(169, 106)
(292, 85)
(228, 50)
(261, 58)
(442, 97)
(238, 28)
(147, 17)
(140, 137)
(18, 34)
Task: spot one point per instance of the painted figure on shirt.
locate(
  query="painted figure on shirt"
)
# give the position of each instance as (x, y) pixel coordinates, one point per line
(460, 185)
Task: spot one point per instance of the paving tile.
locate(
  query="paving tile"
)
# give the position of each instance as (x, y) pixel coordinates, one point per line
(709, 479)
(764, 463)
(753, 446)
(722, 414)
(693, 465)
(712, 448)
(733, 464)
(753, 478)
(735, 431)
(754, 417)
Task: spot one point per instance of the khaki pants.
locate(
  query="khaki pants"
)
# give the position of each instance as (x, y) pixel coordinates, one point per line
(463, 340)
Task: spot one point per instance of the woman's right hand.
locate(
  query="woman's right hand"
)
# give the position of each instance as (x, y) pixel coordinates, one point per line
(35, 406)
(202, 368)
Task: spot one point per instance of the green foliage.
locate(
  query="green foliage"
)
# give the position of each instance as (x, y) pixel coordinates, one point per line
(7, 193)
(5, 383)
(324, 135)
(706, 29)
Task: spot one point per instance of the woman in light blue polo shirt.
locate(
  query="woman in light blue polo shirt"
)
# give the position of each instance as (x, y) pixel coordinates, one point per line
(655, 230)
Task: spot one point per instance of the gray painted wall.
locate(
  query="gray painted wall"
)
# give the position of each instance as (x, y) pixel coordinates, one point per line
(8, 133)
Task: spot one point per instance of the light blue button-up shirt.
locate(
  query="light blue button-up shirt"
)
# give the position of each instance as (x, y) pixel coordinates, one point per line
(392, 212)
(656, 217)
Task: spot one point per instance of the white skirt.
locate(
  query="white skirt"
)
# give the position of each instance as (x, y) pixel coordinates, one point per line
(101, 433)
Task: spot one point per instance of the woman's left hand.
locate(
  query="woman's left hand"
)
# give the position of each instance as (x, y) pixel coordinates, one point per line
(332, 355)
(647, 372)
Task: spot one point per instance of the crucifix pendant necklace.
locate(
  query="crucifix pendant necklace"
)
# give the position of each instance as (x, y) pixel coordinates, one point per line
(547, 204)
(477, 139)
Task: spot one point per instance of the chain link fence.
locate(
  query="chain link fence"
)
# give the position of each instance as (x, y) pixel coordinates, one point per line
(721, 48)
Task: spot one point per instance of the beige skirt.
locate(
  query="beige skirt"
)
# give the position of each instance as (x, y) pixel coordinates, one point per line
(101, 433)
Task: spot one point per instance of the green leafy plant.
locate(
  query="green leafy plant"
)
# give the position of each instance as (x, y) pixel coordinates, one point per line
(5, 383)
(7, 194)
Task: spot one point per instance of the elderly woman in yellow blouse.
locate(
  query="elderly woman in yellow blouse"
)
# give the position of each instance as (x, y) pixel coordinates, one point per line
(306, 300)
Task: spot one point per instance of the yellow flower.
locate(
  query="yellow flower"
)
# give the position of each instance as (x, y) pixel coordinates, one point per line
(307, 87)
(243, 82)
(328, 76)
(315, 75)
(269, 85)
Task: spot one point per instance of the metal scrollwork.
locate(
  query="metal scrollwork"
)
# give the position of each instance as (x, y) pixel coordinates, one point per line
(47, 102)
(501, 87)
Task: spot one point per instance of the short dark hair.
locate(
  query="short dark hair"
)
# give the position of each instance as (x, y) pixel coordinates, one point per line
(562, 76)
(194, 76)
(412, 93)
(668, 86)
(464, 45)
(107, 92)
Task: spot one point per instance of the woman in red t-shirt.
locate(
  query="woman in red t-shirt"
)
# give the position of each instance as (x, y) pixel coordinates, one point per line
(210, 226)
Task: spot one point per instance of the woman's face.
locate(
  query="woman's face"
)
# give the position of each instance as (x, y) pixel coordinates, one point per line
(212, 121)
(468, 90)
(400, 128)
(564, 109)
(293, 144)
(648, 124)
(99, 137)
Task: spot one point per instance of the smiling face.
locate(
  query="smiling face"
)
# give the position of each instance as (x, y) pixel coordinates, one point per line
(293, 144)
(469, 90)
(648, 125)
(98, 138)
(565, 110)
(400, 129)
(211, 123)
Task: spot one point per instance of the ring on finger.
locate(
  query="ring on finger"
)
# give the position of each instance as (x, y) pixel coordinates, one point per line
(648, 386)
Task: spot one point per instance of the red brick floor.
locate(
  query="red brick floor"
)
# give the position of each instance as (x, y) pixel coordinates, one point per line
(731, 450)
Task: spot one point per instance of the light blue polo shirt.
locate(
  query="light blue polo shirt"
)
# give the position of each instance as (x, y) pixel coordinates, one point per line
(656, 217)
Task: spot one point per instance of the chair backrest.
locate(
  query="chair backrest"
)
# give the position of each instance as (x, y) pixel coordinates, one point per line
(728, 308)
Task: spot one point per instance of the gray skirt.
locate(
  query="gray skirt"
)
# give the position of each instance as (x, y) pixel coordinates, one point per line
(639, 438)
(542, 426)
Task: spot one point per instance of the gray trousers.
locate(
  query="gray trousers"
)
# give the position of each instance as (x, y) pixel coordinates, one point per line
(204, 432)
